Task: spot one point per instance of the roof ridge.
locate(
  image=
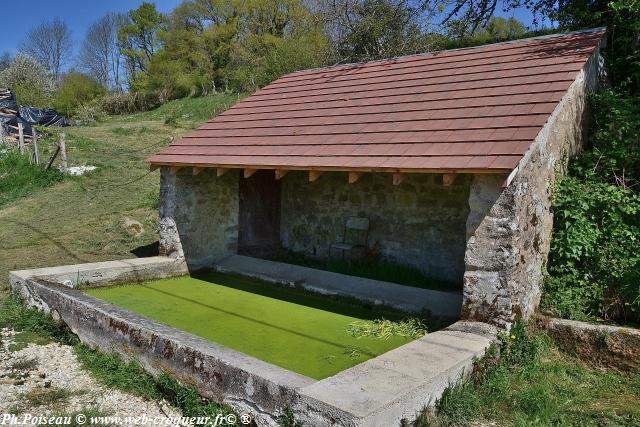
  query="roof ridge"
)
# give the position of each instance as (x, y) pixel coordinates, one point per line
(434, 52)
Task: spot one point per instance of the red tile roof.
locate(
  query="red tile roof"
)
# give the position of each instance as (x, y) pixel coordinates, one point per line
(473, 109)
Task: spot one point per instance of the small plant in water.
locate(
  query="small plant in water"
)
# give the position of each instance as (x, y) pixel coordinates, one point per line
(384, 329)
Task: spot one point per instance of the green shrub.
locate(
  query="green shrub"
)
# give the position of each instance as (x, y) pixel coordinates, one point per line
(76, 89)
(594, 264)
(533, 384)
(128, 102)
(89, 112)
(29, 80)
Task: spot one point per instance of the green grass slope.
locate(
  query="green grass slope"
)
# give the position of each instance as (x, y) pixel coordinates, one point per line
(81, 219)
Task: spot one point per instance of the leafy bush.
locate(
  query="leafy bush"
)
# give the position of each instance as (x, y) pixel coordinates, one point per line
(127, 102)
(594, 264)
(89, 112)
(29, 80)
(76, 89)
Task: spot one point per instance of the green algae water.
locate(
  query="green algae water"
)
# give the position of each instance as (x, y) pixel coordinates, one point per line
(297, 330)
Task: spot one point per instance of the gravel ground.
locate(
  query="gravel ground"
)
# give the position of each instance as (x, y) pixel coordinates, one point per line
(49, 380)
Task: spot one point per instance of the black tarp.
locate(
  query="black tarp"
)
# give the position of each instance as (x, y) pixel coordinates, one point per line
(8, 106)
(43, 116)
(10, 123)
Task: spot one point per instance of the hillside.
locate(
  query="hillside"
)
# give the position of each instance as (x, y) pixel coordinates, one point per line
(81, 219)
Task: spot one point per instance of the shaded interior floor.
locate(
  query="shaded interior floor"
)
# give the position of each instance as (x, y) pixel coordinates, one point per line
(301, 331)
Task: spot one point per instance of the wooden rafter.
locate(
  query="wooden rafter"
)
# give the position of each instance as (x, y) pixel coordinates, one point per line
(175, 169)
(221, 171)
(448, 178)
(354, 176)
(397, 178)
(196, 170)
(280, 173)
(249, 172)
(314, 175)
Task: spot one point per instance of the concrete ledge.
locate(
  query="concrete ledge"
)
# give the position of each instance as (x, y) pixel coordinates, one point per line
(602, 345)
(397, 384)
(108, 272)
(245, 383)
(378, 392)
(407, 298)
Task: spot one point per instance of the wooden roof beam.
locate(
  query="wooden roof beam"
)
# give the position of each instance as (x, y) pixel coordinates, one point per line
(448, 178)
(314, 175)
(175, 169)
(221, 171)
(354, 176)
(249, 172)
(196, 170)
(281, 173)
(397, 178)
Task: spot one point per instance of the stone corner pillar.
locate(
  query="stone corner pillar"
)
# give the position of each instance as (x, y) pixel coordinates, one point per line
(169, 240)
(488, 293)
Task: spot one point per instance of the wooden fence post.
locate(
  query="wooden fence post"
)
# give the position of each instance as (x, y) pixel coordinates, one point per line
(21, 138)
(36, 152)
(63, 152)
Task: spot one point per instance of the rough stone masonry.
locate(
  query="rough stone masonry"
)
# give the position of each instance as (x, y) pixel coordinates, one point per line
(488, 231)
(509, 229)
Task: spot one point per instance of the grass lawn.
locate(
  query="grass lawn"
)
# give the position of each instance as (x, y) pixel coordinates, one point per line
(535, 384)
(80, 219)
(294, 329)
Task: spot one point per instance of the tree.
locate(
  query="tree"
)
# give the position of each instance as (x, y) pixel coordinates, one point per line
(100, 55)
(139, 40)
(29, 80)
(51, 44)
(276, 37)
(621, 17)
(372, 29)
(241, 45)
(76, 89)
(5, 60)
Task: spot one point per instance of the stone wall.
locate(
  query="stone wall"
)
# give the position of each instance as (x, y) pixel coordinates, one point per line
(198, 215)
(509, 229)
(419, 223)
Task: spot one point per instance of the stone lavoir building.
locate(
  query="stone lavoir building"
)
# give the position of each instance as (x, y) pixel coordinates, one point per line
(451, 155)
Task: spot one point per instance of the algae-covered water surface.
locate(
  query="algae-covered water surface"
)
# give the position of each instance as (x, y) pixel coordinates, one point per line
(297, 330)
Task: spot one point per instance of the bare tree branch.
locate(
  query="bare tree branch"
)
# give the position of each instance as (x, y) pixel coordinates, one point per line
(51, 44)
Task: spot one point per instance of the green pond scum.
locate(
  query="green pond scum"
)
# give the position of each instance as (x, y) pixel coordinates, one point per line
(298, 330)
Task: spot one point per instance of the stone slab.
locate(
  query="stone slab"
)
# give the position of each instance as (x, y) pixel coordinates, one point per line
(397, 384)
(603, 346)
(407, 298)
(379, 392)
(107, 272)
(245, 383)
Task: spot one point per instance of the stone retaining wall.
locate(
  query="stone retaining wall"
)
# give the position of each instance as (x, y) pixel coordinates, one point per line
(419, 223)
(377, 393)
(603, 346)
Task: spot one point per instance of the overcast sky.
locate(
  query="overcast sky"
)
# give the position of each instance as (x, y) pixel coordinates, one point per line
(20, 15)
